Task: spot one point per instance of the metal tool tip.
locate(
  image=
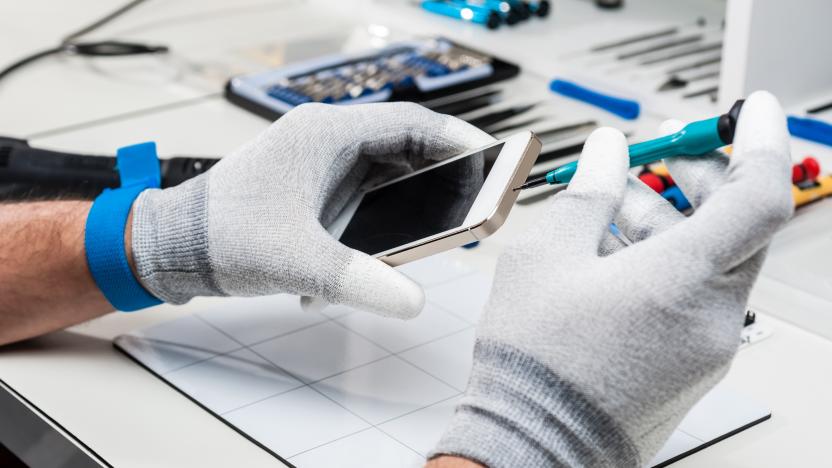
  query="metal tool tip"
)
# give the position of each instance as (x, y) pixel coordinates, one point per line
(532, 183)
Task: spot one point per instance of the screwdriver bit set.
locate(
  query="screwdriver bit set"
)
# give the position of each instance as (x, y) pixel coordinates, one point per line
(406, 71)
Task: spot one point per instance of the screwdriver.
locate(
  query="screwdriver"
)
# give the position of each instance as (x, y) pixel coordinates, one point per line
(466, 12)
(695, 139)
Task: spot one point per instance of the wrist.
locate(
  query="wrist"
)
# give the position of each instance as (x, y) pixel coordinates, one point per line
(108, 258)
(169, 241)
(69, 218)
(128, 242)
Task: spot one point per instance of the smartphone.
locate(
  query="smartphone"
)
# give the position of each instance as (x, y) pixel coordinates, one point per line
(457, 201)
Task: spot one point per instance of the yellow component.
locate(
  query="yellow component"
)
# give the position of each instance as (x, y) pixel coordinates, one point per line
(659, 169)
(728, 149)
(802, 196)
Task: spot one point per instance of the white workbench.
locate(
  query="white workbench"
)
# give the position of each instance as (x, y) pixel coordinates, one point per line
(131, 418)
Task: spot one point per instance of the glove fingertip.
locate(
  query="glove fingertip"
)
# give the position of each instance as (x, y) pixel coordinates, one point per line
(603, 163)
(371, 285)
(762, 128)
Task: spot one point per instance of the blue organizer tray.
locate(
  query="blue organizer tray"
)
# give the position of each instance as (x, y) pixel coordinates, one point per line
(407, 71)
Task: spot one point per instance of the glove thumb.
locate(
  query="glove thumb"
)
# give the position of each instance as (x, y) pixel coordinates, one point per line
(365, 283)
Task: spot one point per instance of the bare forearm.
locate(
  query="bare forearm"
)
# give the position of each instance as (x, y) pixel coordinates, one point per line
(45, 284)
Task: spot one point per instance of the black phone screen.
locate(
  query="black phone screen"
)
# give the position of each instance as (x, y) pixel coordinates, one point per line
(420, 206)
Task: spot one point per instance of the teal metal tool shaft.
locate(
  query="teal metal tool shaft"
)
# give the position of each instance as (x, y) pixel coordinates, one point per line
(695, 139)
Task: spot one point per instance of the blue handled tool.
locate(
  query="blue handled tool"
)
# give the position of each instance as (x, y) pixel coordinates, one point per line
(507, 12)
(811, 129)
(695, 139)
(624, 108)
(540, 8)
(465, 11)
(676, 198)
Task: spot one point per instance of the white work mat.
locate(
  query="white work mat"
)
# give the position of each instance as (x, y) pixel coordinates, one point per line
(344, 388)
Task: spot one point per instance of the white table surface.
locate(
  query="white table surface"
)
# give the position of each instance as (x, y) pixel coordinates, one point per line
(131, 418)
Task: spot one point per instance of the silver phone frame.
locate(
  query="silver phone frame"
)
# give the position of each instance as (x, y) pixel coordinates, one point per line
(469, 231)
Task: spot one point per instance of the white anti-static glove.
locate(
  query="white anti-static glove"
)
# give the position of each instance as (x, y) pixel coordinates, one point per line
(253, 224)
(590, 353)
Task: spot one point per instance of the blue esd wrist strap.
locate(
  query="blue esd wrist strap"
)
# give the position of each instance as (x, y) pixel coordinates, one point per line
(138, 168)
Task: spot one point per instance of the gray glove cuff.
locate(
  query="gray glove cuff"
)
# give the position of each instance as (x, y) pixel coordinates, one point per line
(517, 412)
(170, 242)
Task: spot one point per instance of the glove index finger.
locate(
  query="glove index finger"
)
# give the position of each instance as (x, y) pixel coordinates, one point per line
(580, 216)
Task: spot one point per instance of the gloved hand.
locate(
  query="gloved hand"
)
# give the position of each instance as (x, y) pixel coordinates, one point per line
(590, 353)
(252, 225)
